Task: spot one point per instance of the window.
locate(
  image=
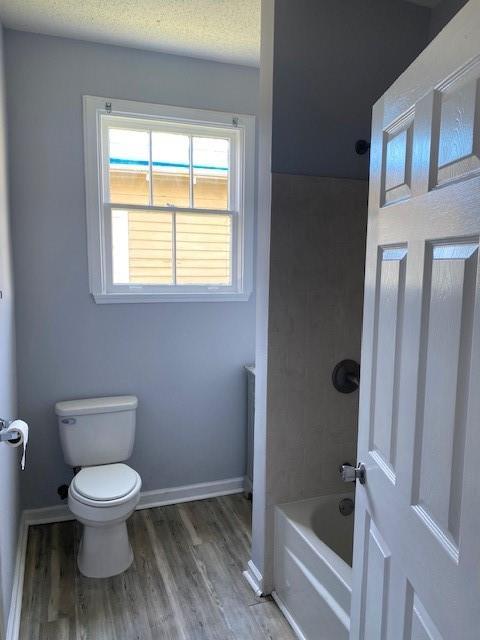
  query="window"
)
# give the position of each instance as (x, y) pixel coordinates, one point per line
(169, 202)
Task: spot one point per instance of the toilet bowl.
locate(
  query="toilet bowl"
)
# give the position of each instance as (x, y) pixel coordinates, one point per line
(97, 435)
(102, 498)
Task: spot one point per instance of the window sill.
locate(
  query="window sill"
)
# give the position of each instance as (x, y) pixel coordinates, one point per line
(121, 298)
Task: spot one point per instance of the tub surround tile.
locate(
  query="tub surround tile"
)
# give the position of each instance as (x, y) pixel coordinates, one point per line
(315, 316)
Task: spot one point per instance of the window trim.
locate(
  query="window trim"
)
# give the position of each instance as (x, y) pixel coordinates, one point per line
(101, 287)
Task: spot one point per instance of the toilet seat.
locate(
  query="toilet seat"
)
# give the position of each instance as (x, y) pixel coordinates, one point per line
(105, 485)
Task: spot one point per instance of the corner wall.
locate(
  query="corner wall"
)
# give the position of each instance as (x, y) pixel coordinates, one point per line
(260, 527)
(332, 61)
(184, 361)
(9, 458)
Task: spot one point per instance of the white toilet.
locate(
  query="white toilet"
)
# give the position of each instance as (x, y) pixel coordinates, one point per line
(97, 435)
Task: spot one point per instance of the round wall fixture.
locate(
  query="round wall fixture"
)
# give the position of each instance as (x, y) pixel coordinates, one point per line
(346, 376)
(346, 506)
(362, 147)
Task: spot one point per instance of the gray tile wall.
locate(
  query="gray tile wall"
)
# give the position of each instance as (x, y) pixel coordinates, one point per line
(316, 301)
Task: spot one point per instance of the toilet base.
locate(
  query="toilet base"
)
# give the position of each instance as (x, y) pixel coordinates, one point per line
(105, 551)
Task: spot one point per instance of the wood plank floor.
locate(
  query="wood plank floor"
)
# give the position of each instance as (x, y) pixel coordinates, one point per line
(185, 583)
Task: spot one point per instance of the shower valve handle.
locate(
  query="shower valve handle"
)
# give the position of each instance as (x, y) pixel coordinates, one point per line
(350, 474)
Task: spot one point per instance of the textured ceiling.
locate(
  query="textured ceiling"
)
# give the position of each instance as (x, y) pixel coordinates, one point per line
(224, 30)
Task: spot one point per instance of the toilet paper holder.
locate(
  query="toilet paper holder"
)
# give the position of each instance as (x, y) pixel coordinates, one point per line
(8, 436)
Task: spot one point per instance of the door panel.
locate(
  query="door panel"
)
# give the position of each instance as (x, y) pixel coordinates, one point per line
(449, 296)
(375, 608)
(416, 552)
(418, 622)
(458, 148)
(397, 171)
(387, 345)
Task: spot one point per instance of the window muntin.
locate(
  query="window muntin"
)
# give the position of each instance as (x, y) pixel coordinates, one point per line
(172, 204)
(153, 166)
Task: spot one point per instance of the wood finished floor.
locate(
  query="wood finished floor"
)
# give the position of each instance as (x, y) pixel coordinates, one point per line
(185, 583)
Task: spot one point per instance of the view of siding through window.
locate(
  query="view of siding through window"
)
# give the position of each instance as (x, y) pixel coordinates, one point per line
(169, 247)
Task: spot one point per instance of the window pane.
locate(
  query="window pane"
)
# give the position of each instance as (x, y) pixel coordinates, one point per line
(171, 173)
(204, 249)
(142, 247)
(210, 173)
(129, 156)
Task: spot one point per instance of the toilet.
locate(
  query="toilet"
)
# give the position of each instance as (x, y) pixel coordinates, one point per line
(97, 436)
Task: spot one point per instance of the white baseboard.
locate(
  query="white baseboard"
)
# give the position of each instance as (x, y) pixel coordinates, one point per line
(148, 499)
(13, 624)
(47, 515)
(61, 513)
(190, 492)
(254, 578)
(296, 629)
(247, 485)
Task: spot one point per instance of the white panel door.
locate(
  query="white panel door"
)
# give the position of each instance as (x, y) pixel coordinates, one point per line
(417, 524)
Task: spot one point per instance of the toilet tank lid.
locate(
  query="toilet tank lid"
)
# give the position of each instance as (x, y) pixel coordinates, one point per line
(96, 405)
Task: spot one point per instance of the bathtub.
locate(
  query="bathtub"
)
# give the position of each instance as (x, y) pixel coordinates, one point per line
(312, 567)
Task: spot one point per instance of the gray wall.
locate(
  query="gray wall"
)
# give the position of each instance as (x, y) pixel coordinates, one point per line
(333, 60)
(183, 360)
(442, 14)
(9, 457)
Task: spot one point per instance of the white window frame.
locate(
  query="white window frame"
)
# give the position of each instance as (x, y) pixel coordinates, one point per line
(240, 130)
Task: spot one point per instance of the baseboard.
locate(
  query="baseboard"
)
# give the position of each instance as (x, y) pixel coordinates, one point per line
(47, 515)
(296, 629)
(254, 578)
(148, 499)
(13, 624)
(61, 513)
(247, 485)
(190, 492)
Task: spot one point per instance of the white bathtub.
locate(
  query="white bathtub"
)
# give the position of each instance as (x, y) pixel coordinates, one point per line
(312, 567)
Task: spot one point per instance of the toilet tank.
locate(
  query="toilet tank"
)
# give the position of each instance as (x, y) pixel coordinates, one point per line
(97, 430)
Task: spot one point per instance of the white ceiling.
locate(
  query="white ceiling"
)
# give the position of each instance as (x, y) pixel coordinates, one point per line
(224, 30)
